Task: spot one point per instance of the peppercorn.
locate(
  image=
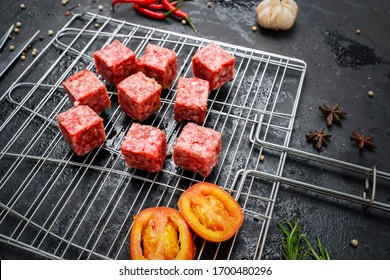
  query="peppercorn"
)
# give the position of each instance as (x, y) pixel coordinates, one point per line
(370, 93)
(18, 24)
(209, 5)
(11, 47)
(23, 58)
(41, 38)
(358, 31)
(16, 30)
(22, 6)
(50, 32)
(254, 28)
(97, 25)
(64, 2)
(262, 158)
(100, 7)
(354, 243)
(183, 22)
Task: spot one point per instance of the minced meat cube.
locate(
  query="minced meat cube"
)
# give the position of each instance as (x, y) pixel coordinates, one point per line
(214, 64)
(86, 89)
(191, 99)
(82, 129)
(139, 96)
(145, 147)
(158, 63)
(115, 62)
(197, 149)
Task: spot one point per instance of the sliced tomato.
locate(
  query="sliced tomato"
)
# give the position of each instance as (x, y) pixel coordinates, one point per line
(211, 212)
(161, 233)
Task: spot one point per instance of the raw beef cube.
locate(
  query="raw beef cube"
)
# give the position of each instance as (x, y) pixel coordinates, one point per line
(82, 128)
(191, 99)
(86, 89)
(145, 147)
(114, 62)
(158, 63)
(139, 96)
(214, 64)
(197, 149)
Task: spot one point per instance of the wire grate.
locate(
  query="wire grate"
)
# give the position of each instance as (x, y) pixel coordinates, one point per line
(63, 206)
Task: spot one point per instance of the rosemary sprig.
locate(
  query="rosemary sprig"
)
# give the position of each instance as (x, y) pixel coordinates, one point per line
(322, 254)
(294, 242)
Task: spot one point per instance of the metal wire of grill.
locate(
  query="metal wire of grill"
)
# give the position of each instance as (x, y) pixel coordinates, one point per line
(59, 205)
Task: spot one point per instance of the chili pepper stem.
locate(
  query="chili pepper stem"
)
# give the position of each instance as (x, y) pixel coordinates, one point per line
(187, 19)
(181, 14)
(74, 7)
(173, 10)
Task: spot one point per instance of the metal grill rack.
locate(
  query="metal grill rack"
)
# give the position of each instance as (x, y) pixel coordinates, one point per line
(58, 205)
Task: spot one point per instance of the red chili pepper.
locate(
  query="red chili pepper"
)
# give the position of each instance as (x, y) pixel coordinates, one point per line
(149, 13)
(153, 7)
(180, 13)
(140, 2)
(153, 14)
(157, 6)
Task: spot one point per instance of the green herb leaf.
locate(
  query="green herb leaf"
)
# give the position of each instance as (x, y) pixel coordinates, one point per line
(293, 242)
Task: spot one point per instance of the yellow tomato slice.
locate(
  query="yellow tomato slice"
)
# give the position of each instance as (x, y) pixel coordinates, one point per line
(211, 212)
(161, 233)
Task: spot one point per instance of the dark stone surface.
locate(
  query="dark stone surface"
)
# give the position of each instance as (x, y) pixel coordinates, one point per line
(342, 66)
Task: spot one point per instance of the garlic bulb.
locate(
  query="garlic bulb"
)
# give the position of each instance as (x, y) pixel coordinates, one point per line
(277, 14)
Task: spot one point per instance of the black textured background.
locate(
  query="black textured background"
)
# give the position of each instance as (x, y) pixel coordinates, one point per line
(342, 66)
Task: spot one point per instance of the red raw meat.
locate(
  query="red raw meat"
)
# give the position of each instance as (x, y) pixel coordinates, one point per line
(139, 96)
(197, 149)
(214, 64)
(86, 89)
(82, 129)
(191, 99)
(114, 62)
(145, 147)
(158, 63)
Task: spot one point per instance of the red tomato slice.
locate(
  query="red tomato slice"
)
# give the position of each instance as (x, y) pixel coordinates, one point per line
(161, 233)
(211, 212)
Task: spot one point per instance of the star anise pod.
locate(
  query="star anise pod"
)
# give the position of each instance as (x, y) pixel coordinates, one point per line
(319, 137)
(333, 115)
(362, 141)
